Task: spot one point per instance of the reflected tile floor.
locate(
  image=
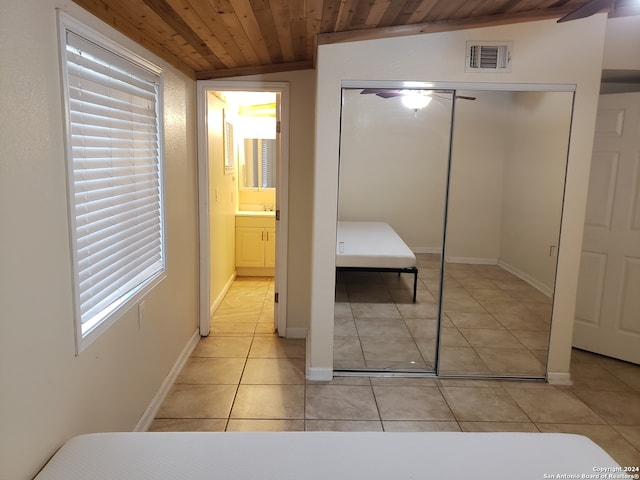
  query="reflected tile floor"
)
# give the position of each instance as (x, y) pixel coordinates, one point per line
(493, 322)
(254, 381)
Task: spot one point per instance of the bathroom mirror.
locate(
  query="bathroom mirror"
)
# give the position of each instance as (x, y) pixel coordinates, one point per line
(258, 163)
(255, 124)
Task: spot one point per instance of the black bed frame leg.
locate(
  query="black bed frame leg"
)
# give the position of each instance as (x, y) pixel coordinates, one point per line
(415, 285)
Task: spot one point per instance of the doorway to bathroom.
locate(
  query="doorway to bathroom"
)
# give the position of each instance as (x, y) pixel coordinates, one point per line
(243, 180)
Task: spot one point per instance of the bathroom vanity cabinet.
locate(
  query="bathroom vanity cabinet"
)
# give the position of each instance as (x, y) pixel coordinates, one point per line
(255, 245)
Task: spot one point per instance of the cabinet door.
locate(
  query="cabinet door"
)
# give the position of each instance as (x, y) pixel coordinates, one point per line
(250, 247)
(270, 247)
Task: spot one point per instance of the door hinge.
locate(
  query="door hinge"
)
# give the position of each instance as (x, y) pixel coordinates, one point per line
(278, 126)
(278, 214)
(275, 297)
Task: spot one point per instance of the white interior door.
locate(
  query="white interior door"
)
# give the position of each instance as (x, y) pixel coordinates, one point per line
(608, 300)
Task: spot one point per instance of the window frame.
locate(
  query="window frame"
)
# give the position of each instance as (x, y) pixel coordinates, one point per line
(134, 296)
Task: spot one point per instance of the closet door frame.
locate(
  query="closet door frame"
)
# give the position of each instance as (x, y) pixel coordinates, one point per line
(454, 87)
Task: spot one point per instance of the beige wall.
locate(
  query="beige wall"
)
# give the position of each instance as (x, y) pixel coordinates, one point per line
(440, 57)
(48, 394)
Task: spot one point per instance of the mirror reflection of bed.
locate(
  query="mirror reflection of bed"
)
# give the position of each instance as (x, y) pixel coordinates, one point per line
(505, 190)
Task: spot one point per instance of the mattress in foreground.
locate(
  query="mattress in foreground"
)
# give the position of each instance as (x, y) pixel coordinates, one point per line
(371, 245)
(326, 455)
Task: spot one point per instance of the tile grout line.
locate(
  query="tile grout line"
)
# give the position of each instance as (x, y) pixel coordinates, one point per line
(235, 395)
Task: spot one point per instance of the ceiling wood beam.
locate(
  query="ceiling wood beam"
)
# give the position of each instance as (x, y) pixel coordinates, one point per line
(422, 11)
(361, 13)
(264, 17)
(377, 11)
(175, 21)
(225, 25)
(391, 13)
(102, 10)
(191, 15)
(330, 11)
(254, 70)
(249, 23)
(284, 21)
(436, 27)
(407, 12)
(345, 14)
(313, 24)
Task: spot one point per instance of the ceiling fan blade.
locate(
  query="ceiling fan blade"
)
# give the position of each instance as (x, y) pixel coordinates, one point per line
(588, 9)
(381, 92)
(390, 93)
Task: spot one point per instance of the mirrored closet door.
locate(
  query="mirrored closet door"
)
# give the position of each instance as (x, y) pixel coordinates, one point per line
(481, 189)
(509, 157)
(394, 156)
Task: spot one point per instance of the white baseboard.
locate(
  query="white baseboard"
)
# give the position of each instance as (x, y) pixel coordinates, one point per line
(559, 378)
(319, 374)
(216, 303)
(527, 278)
(150, 413)
(297, 332)
(472, 260)
(426, 249)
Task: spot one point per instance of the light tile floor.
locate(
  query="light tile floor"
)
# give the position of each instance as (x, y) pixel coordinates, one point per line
(244, 377)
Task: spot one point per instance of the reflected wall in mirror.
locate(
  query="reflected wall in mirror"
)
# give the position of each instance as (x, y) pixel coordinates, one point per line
(393, 170)
(509, 156)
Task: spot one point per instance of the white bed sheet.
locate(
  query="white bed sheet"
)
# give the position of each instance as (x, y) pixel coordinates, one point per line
(324, 455)
(371, 245)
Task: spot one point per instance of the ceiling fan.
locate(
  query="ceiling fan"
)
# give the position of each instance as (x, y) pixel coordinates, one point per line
(391, 92)
(588, 9)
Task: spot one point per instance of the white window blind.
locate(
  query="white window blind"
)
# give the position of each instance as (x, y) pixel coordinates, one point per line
(265, 164)
(114, 172)
(268, 163)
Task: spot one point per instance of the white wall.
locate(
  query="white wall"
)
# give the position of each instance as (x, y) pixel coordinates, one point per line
(393, 166)
(477, 163)
(507, 180)
(621, 44)
(536, 138)
(48, 394)
(537, 58)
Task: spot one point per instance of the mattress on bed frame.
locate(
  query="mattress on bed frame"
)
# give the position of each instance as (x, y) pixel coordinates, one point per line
(371, 245)
(325, 455)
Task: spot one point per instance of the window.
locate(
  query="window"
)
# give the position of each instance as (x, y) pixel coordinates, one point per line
(114, 176)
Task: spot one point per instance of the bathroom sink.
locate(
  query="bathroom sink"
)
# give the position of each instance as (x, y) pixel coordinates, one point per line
(250, 209)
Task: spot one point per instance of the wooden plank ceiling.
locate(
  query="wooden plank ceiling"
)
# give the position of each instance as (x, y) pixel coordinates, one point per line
(221, 38)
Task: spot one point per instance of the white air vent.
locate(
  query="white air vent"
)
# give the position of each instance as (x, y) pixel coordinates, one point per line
(488, 57)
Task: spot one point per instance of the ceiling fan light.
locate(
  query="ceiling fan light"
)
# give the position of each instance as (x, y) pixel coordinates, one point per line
(415, 101)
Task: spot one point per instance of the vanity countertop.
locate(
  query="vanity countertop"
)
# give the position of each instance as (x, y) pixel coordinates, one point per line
(262, 213)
